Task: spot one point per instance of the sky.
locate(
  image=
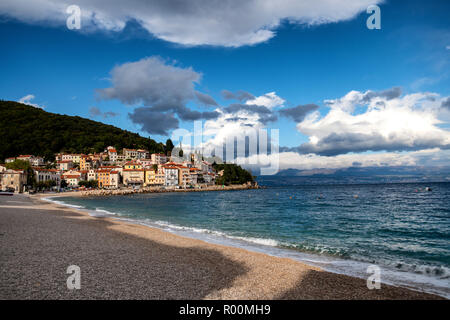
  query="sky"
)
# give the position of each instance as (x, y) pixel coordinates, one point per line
(339, 93)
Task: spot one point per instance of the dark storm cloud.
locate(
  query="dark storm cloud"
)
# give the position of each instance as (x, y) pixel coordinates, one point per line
(244, 95)
(265, 114)
(154, 122)
(388, 94)
(228, 95)
(234, 119)
(152, 82)
(205, 99)
(446, 104)
(163, 88)
(185, 113)
(239, 95)
(299, 112)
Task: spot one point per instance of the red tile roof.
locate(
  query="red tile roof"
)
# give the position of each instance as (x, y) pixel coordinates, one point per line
(71, 176)
(170, 167)
(132, 162)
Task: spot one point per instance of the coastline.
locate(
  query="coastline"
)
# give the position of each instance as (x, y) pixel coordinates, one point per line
(111, 192)
(200, 270)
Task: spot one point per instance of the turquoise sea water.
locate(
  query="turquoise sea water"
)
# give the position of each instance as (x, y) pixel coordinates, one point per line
(400, 227)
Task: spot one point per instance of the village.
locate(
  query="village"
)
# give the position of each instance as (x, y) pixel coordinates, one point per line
(133, 169)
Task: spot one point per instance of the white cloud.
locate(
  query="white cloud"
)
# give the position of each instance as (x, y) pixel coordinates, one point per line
(238, 124)
(27, 100)
(390, 124)
(402, 130)
(199, 22)
(269, 100)
(294, 160)
(235, 124)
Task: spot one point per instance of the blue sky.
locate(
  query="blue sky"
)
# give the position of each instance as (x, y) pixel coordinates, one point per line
(302, 62)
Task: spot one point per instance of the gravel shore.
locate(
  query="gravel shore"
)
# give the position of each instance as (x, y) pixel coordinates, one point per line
(39, 240)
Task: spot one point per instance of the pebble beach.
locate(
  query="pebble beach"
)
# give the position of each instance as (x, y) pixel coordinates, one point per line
(120, 260)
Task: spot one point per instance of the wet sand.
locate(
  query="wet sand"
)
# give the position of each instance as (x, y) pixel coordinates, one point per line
(118, 260)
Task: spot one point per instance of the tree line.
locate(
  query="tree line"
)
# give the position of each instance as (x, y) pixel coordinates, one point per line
(28, 130)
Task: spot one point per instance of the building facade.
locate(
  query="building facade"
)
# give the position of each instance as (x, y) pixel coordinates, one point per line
(154, 178)
(133, 177)
(159, 158)
(65, 165)
(170, 175)
(44, 175)
(13, 180)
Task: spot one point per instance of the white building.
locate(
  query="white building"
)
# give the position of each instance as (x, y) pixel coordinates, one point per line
(66, 157)
(146, 163)
(130, 153)
(72, 178)
(9, 160)
(114, 179)
(13, 179)
(112, 154)
(196, 175)
(91, 175)
(209, 178)
(206, 166)
(43, 175)
(65, 165)
(142, 154)
(159, 158)
(33, 160)
(133, 177)
(170, 175)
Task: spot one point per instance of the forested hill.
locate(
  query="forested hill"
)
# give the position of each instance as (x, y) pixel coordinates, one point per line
(28, 130)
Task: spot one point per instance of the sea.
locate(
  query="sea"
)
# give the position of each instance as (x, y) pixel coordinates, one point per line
(402, 228)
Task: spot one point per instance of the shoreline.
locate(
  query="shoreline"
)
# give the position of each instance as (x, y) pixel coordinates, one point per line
(126, 191)
(124, 226)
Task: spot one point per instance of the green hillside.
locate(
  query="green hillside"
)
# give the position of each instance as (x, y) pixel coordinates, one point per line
(28, 130)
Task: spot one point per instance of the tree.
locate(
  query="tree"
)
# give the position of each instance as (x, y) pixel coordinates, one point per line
(28, 130)
(180, 154)
(45, 185)
(64, 183)
(88, 184)
(169, 147)
(155, 167)
(232, 174)
(50, 166)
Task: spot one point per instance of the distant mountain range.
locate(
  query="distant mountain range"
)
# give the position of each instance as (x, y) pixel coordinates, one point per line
(358, 175)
